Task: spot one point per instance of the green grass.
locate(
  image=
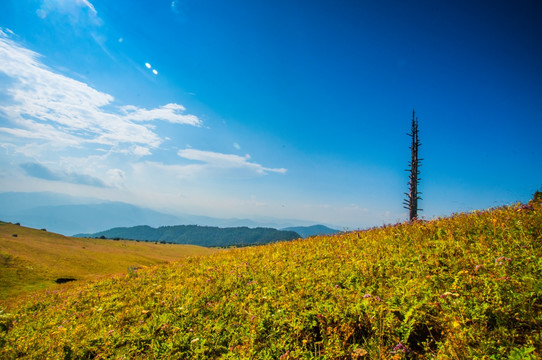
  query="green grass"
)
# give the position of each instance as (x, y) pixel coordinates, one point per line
(466, 287)
(34, 259)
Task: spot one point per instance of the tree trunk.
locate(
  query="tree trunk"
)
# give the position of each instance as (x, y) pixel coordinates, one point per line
(411, 202)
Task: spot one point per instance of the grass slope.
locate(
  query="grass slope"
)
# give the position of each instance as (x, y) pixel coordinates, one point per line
(34, 259)
(467, 287)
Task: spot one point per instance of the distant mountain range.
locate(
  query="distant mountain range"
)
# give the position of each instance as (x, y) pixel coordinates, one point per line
(70, 215)
(198, 235)
(306, 231)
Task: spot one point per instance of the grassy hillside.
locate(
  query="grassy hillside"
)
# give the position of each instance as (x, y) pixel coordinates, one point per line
(33, 259)
(467, 287)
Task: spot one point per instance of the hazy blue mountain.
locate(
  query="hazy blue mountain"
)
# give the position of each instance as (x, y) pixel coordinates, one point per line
(306, 231)
(70, 215)
(198, 235)
(187, 219)
(14, 202)
(71, 219)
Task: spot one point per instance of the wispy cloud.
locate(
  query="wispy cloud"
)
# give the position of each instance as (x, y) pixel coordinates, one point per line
(226, 161)
(63, 131)
(49, 106)
(208, 168)
(89, 5)
(42, 172)
(170, 112)
(77, 11)
(175, 6)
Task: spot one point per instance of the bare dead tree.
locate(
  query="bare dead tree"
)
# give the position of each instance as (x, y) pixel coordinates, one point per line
(413, 195)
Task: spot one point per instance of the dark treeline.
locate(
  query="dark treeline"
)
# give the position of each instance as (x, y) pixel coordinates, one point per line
(198, 235)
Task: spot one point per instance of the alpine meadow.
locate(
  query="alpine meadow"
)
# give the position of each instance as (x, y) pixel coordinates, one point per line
(463, 287)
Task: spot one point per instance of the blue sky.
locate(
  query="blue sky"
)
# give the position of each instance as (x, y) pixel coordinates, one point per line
(284, 109)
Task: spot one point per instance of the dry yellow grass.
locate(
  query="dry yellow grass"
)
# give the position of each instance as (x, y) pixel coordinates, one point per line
(34, 259)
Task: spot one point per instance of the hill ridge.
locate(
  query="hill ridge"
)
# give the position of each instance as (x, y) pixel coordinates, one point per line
(313, 230)
(199, 235)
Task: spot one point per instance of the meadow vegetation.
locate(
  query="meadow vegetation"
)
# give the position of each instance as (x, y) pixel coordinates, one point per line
(33, 259)
(464, 287)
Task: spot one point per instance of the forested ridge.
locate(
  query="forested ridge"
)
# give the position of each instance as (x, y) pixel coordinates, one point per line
(198, 235)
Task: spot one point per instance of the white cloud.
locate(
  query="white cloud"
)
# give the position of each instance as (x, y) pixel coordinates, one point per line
(140, 150)
(148, 66)
(171, 113)
(89, 5)
(51, 107)
(226, 161)
(76, 11)
(59, 133)
(116, 177)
